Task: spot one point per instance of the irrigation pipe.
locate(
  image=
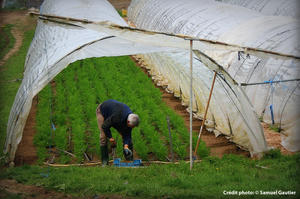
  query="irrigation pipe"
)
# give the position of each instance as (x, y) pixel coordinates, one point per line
(205, 114)
(99, 163)
(161, 162)
(70, 165)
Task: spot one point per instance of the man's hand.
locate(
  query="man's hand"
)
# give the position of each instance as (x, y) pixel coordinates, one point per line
(113, 142)
(127, 153)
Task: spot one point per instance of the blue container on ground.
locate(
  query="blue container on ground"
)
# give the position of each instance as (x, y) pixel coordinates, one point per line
(134, 163)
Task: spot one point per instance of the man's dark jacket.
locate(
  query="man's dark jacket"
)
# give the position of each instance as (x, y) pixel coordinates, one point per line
(115, 115)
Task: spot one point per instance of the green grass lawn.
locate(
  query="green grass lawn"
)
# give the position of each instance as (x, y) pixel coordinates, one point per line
(210, 178)
(7, 40)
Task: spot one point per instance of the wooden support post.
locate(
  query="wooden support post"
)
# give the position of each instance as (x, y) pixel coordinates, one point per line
(191, 104)
(206, 110)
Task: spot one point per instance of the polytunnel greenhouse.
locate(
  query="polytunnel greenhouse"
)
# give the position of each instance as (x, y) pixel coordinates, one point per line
(255, 56)
(239, 26)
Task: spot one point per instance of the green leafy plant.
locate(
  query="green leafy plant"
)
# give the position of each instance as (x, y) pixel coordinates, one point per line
(273, 154)
(275, 127)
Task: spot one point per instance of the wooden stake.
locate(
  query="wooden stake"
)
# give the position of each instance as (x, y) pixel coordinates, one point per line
(206, 110)
(86, 156)
(71, 154)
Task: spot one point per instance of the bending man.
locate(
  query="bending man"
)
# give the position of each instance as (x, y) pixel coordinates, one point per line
(112, 113)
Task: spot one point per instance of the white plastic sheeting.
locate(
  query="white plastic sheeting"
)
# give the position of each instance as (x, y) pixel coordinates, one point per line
(55, 45)
(232, 24)
(246, 131)
(269, 7)
(280, 8)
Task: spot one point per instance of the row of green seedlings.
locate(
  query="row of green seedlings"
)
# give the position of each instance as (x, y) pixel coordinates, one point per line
(69, 118)
(131, 87)
(43, 137)
(81, 112)
(145, 100)
(85, 84)
(73, 106)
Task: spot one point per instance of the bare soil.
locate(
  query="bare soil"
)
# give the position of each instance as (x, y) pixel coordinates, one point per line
(218, 145)
(9, 188)
(18, 18)
(120, 4)
(273, 139)
(26, 152)
(13, 17)
(18, 35)
(13, 189)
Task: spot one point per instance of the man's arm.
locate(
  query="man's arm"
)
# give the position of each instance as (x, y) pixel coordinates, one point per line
(127, 139)
(127, 149)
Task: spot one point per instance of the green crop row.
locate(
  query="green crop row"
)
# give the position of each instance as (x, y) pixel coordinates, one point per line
(75, 120)
(61, 137)
(80, 88)
(44, 134)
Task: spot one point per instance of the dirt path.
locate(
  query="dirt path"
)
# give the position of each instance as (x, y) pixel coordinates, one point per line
(274, 139)
(26, 152)
(18, 18)
(218, 145)
(12, 189)
(18, 35)
(120, 4)
(12, 17)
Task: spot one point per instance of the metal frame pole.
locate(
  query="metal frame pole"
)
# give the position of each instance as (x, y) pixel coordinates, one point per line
(206, 110)
(191, 104)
